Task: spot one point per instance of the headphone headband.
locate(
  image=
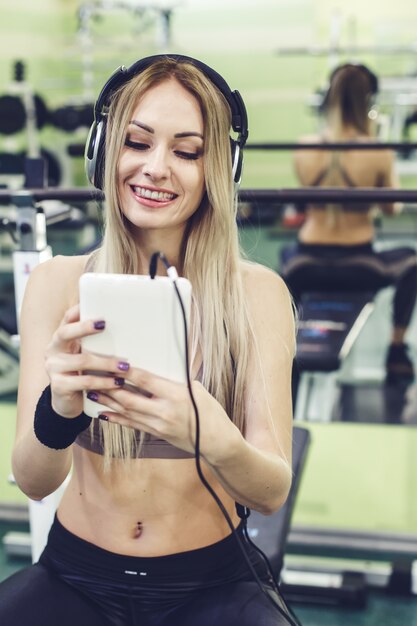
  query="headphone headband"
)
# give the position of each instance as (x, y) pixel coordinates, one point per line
(94, 153)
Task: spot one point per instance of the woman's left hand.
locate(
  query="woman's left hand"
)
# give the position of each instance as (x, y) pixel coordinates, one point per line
(166, 411)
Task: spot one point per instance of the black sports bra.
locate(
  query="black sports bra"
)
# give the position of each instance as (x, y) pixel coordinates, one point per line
(334, 167)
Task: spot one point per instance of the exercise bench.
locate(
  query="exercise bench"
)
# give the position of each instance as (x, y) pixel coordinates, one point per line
(329, 324)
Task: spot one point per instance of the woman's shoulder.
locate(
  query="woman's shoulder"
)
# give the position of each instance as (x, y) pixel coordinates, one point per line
(308, 156)
(52, 288)
(58, 276)
(66, 267)
(308, 139)
(269, 303)
(259, 279)
(372, 139)
(371, 162)
(311, 138)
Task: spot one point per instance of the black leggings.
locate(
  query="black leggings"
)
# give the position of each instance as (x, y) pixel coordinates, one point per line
(313, 267)
(76, 583)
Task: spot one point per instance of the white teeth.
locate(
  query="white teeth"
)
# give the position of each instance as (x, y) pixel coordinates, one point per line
(153, 195)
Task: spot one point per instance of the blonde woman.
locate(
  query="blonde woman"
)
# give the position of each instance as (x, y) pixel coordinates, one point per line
(138, 538)
(335, 250)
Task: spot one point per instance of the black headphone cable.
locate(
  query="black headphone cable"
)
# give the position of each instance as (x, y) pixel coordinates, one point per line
(243, 512)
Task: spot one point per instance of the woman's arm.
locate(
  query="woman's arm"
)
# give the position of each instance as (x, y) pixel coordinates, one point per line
(50, 333)
(38, 470)
(256, 470)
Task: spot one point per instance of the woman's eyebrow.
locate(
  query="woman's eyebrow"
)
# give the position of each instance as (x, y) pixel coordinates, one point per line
(188, 134)
(144, 126)
(149, 129)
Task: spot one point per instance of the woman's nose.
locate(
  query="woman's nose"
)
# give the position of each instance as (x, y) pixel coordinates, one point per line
(157, 163)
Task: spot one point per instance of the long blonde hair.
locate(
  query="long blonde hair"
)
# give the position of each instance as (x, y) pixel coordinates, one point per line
(209, 256)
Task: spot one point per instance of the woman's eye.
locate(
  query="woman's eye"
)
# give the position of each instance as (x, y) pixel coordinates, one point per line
(136, 145)
(192, 156)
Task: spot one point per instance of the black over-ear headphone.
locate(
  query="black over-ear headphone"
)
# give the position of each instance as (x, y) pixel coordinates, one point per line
(95, 146)
(372, 78)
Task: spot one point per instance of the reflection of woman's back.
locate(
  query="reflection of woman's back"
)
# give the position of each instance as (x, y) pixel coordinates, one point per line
(335, 249)
(346, 107)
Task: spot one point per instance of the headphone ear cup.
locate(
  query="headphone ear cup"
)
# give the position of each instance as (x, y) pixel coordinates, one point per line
(237, 160)
(94, 154)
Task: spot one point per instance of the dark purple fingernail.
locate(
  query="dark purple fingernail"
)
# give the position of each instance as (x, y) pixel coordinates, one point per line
(99, 324)
(119, 382)
(103, 417)
(122, 365)
(92, 395)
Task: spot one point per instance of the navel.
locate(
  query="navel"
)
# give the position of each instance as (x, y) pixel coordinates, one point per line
(137, 531)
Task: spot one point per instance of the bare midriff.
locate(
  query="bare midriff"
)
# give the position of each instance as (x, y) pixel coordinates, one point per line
(153, 507)
(336, 226)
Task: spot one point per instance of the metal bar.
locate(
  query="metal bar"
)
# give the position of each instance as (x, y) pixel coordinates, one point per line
(295, 195)
(328, 194)
(350, 50)
(351, 145)
(357, 544)
(75, 150)
(75, 194)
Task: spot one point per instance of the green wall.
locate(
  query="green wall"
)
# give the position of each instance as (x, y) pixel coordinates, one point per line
(239, 38)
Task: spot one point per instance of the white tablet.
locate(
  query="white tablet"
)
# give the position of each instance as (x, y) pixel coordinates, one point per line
(144, 323)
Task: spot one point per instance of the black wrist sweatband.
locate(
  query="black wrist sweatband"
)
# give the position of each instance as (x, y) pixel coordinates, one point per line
(54, 430)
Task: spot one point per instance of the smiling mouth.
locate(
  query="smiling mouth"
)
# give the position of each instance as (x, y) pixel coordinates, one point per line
(160, 196)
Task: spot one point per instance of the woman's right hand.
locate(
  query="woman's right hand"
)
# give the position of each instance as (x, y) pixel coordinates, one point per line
(66, 364)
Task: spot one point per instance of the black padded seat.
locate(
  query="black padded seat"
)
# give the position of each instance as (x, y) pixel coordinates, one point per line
(328, 325)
